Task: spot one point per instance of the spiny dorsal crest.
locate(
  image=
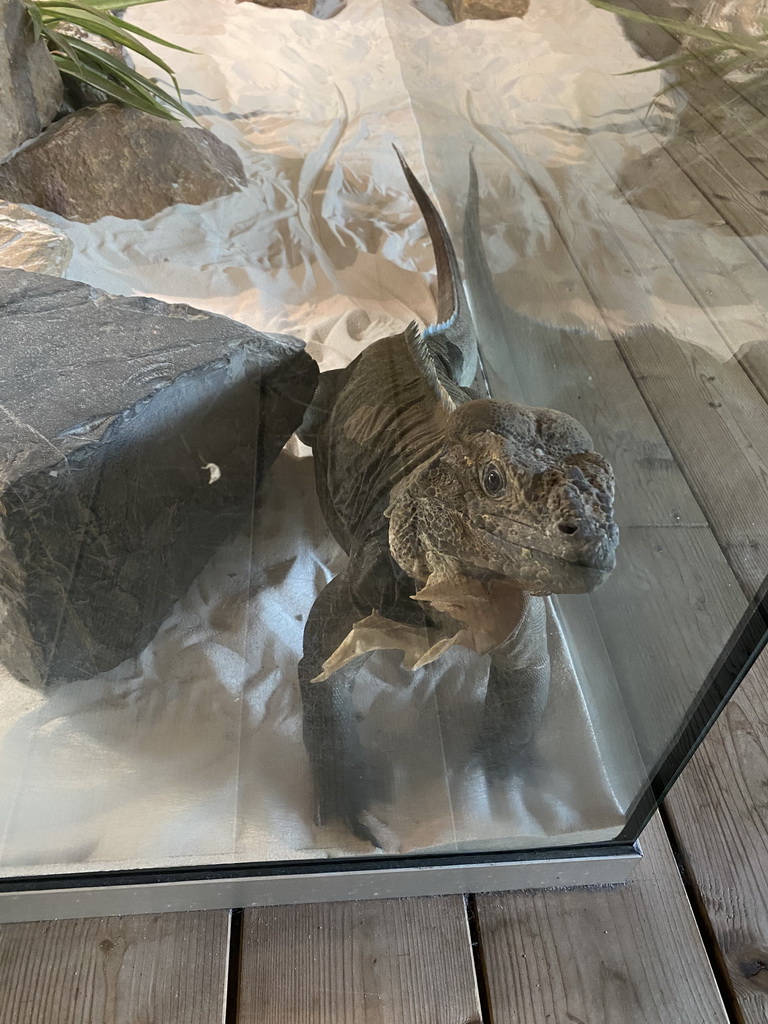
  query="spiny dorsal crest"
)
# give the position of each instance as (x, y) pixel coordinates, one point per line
(419, 351)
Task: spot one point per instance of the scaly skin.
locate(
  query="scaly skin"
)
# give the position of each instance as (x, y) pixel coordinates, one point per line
(428, 488)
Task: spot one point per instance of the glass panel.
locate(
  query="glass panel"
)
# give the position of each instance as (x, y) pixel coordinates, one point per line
(612, 239)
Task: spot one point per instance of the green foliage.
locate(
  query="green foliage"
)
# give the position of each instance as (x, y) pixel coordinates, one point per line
(720, 52)
(80, 60)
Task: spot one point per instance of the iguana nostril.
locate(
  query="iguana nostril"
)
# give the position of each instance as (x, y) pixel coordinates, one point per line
(567, 528)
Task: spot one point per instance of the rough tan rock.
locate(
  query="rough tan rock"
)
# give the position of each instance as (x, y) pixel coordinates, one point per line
(491, 10)
(27, 242)
(30, 83)
(112, 160)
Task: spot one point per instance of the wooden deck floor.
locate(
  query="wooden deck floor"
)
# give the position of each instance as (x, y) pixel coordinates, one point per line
(686, 942)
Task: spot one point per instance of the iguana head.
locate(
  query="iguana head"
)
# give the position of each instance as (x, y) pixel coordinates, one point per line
(516, 492)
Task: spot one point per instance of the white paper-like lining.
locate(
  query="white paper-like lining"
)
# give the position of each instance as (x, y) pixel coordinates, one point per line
(192, 752)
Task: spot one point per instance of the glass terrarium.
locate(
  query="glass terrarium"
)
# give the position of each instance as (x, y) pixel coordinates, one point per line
(325, 575)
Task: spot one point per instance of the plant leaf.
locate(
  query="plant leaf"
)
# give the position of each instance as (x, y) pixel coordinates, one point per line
(99, 60)
(111, 88)
(80, 59)
(111, 5)
(57, 40)
(681, 60)
(78, 13)
(728, 40)
(37, 19)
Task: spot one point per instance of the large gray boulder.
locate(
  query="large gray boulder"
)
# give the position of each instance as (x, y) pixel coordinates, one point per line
(30, 83)
(133, 437)
(112, 160)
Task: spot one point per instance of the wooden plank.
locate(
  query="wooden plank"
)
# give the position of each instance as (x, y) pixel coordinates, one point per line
(719, 814)
(734, 186)
(736, 117)
(665, 615)
(726, 406)
(716, 424)
(115, 970)
(715, 286)
(745, 97)
(720, 142)
(586, 376)
(615, 274)
(717, 100)
(673, 601)
(405, 961)
(631, 954)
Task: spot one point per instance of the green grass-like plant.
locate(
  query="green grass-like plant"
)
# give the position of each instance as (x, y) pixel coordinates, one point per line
(723, 53)
(81, 60)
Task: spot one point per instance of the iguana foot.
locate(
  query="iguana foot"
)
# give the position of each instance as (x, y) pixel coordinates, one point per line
(502, 759)
(345, 797)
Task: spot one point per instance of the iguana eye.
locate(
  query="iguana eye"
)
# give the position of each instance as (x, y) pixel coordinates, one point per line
(493, 480)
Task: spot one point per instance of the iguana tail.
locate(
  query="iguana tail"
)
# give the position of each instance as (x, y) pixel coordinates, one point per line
(452, 340)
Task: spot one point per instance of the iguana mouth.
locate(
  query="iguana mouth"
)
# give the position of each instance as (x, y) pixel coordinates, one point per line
(541, 571)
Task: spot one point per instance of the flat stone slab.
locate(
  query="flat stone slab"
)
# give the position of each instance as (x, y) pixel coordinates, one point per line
(133, 436)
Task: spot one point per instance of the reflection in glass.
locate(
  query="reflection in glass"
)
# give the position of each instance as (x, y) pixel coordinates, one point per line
(611, 277)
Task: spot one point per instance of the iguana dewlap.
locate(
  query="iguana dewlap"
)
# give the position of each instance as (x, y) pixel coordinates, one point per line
(458, 513)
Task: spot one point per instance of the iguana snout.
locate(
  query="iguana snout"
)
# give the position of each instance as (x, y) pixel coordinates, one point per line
(516, 492)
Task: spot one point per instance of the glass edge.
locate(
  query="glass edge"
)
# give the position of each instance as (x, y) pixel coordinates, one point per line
(738, 656)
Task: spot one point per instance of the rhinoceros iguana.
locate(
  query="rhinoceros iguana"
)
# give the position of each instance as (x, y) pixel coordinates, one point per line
(458, 513)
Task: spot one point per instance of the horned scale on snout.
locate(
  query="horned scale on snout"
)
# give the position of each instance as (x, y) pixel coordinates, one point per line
(458, 514)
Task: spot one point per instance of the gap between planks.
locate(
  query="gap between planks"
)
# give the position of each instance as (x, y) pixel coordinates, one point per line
(718, 813)
(630, 955)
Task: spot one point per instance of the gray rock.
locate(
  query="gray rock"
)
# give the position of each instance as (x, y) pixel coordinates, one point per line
(79, 94)
(491, 10)
(27, 242)
(133, 436)
(30, 83)
(112, 160)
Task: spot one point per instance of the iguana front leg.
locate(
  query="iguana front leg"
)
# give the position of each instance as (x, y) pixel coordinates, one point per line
(341, 774)
(502, 620)
(518, 689)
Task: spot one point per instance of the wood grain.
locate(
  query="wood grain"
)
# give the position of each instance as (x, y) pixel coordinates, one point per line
(734, 186)
(585, 376)
(669, 190)
(717, 101)
(720, 441)
(716, 424)
(671, 605)
(153, 969)
(665, 616)
(627, 955)
(378, 962)
(719, 813)
(746, 99)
